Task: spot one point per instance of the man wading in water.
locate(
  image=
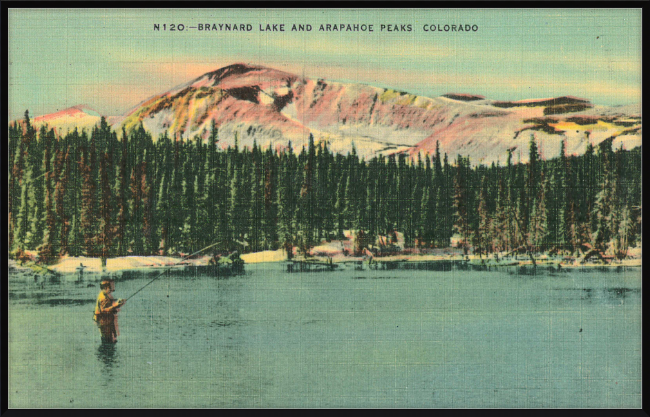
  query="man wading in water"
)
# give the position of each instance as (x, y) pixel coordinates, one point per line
(106, 310)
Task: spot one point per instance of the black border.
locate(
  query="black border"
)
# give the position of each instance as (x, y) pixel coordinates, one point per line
(289, 4)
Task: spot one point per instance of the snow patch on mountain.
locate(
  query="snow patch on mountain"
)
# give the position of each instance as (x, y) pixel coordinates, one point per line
(266, 106)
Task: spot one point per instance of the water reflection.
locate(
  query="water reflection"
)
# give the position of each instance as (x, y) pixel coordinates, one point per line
(606, 296)
(620, 293)
(107, 355)
(53, 302)
(447, 266)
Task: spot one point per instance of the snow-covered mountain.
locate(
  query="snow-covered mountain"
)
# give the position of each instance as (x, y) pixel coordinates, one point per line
(275, 107)
(80, 116)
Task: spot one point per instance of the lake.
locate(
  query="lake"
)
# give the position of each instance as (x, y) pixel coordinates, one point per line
(385, 338)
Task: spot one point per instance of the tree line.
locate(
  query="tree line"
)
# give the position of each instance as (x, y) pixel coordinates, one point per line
(102, 194)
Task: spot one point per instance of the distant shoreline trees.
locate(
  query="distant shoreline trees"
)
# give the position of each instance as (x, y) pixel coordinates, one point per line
(97, 194)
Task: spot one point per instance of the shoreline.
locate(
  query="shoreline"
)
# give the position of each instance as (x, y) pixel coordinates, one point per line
(68, 266)
(475, 260)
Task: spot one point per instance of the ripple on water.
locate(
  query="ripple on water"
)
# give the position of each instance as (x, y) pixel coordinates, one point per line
(373, 338)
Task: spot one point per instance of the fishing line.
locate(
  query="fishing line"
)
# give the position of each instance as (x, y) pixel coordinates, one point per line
(166, 269)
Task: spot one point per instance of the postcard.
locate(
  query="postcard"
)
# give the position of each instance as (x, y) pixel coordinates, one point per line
(324, 208)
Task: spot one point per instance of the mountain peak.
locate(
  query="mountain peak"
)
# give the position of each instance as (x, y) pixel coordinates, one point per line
(231, 70)
(241, 75)
(80, 116)
(78, 111)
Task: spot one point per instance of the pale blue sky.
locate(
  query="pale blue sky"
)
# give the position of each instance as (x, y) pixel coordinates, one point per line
(112, 59)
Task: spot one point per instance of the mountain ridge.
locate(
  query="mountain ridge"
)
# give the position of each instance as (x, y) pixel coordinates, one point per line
(273, 107)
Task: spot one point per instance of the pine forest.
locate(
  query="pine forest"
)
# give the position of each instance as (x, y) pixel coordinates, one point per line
(105, 194)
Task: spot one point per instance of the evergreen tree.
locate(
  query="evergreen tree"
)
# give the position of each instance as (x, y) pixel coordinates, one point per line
(61, 178)
(35, 195)
(104, 238)
(22, 218)
(499, 219)
(285, 207)
(370, 209)
(461, 205)
(483, 236)
(328, 193)
(565, 227)
(121, 241)
(149, 237)
(269, 218)
(529, 201)
(134, 203)
(306, 203)
(424, 232)
(66, 203)
(539, 219)
(554, 207)
(447, 209)
(237, 209)
(585, 207)
(206, 213)
(341, 206)
(521, 213)
(188, 205)
(93, 165)
(602, 212)
(221, 204)
(175, 217)
(393, 195)
(511, 204)
(623, 233)
(87, 220)
(162, 210)
(255, 210)
(16, 152)
(49, 245)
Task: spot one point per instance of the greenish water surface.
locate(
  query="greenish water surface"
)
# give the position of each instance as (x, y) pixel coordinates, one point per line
(397, 338)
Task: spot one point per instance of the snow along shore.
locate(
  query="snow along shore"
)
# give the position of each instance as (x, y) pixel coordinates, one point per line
(69, 264)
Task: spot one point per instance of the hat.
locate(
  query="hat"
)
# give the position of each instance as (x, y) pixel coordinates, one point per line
(106, 281)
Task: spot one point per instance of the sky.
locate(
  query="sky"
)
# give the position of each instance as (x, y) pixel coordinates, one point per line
(112, 59)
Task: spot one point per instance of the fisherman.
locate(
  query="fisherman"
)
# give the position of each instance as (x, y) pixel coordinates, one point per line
(80, 269)
(106, 310)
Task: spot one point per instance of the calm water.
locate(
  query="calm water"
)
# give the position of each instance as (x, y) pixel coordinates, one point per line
(399, 338)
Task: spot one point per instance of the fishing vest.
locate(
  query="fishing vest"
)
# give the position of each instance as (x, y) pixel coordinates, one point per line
(98, 308)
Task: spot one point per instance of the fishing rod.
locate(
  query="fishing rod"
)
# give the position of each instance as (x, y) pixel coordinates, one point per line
(166, 269)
